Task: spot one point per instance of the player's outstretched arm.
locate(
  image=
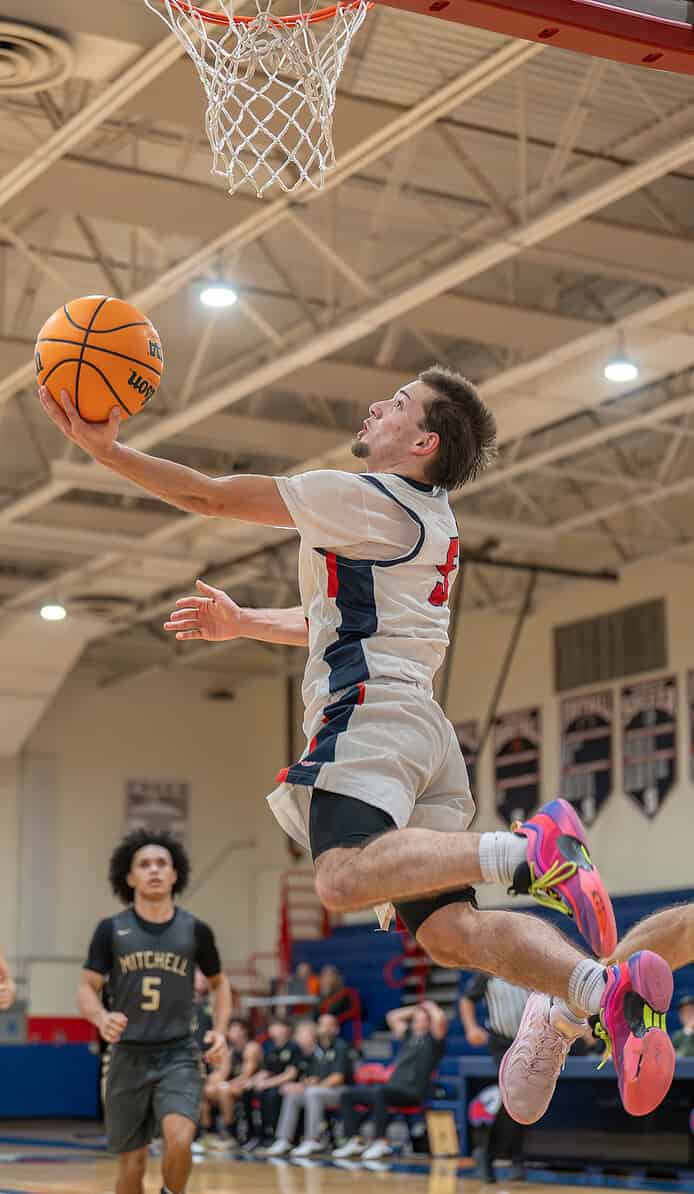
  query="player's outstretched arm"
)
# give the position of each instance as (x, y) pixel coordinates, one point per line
(246, 498)
(8, 990)
(669, 933)
(212, 615)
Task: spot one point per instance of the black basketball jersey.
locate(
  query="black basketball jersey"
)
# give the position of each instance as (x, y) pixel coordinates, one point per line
(235, 1062)
(151, 970)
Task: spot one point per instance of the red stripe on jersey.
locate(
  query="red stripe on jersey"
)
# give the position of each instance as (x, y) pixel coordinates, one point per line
(313, 743)
(333, 584)
(362, 694)
(281, 777)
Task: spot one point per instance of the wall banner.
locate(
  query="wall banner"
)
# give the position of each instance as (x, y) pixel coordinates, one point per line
(587, 757)
(649, 741)
(158, 804)
(517, 749)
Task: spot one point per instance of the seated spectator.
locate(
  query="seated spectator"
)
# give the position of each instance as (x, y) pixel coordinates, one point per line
(422, 1029)
(306, 1037)
(303, 981)
(330, 1072)
(224, 1089)
(333, 995)
(281, 1064)
(683, 1039)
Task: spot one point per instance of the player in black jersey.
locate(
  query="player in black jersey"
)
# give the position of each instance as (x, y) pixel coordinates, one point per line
(148, 954)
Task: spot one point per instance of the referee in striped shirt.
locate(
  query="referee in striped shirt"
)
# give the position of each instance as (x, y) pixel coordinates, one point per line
(505, 1006)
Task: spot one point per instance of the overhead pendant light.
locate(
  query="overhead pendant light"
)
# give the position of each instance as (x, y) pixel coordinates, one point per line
(53, 613)
(621, 368)
(218, 295)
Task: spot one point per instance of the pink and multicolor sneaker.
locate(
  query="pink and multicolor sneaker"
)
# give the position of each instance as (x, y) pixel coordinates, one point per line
(632, 1025)
(559, 874)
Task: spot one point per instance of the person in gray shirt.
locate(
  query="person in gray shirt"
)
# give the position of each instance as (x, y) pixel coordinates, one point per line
(153, 1074)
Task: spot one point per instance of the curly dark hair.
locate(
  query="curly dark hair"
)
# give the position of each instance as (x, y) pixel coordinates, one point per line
(122, 860)
(465, 426)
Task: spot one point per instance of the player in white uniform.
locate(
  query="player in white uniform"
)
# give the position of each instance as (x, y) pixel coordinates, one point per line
(382, 775)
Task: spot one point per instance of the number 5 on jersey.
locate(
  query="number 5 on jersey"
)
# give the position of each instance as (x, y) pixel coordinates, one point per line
(439, 593)
(151, 994)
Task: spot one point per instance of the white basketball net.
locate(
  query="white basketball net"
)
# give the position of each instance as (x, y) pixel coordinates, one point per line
(270, 88)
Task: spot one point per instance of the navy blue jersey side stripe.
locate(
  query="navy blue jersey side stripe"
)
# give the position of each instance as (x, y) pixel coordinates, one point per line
(356, 601)
(411, 514)
(336, 718)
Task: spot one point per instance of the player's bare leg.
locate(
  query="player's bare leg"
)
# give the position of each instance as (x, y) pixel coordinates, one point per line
(669, 933)
(177, 1132)
(547, 857)
(131, 1172)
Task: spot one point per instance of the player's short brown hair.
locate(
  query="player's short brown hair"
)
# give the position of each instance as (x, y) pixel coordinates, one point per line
(465, 426)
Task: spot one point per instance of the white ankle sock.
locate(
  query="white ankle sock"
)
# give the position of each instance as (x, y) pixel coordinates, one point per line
(500, 854)
(586, 986)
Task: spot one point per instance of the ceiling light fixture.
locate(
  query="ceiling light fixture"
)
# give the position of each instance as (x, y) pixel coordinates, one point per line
(621, 368)
(53, 613)
(218, 295)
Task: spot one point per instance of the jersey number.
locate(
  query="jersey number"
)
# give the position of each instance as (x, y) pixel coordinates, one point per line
(439, 593)
(151, 994)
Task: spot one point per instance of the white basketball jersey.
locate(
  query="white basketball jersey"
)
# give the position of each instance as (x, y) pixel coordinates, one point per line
(378, 556)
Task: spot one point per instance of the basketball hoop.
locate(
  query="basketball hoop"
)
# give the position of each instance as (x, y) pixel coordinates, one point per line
(270, 83)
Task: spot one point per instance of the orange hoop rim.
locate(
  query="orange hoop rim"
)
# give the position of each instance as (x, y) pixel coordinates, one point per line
(313, 18)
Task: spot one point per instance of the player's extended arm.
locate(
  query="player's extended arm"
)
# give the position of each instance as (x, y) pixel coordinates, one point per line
(110, 1025)
(251, 1061)
(669, 933)
(475, 1034)
(220, 998)
(247, 498)
(8, 989)
(212, 615)
(398, 1020)
(437, 1019)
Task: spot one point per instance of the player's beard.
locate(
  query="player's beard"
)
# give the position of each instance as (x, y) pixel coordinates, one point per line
(360, 449)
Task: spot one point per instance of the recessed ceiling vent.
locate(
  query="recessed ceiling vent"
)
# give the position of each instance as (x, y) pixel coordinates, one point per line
(32, 59)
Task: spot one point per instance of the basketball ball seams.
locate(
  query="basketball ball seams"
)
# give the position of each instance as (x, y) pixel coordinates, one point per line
(87, 365)
(97, 348)
(141, 323)
(104, 378)
(84, 345)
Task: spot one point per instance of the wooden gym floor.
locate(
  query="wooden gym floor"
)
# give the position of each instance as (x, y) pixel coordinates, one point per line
(68, 1159)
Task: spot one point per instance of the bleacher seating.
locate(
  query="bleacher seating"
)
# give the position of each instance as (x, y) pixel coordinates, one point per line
(361, 952)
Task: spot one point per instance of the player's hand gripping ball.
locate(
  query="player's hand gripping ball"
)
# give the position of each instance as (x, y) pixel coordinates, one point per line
(104, 352)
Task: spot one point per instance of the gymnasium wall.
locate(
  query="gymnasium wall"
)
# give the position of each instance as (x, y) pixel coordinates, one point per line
(63, 810)
(636, 853)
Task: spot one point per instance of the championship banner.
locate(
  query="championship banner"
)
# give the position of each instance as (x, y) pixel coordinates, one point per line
(587, 763)
(468, 735)
(157, 804)
(649, 731)
(517, 764)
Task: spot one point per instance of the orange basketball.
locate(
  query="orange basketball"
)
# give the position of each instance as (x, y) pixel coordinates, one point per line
(103, 352)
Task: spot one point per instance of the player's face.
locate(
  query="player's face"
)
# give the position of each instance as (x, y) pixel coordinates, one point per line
(328, 1027)
(393, 433)
(152, 873)
(305, 1036)
(237, 1036)
(279, 1033)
